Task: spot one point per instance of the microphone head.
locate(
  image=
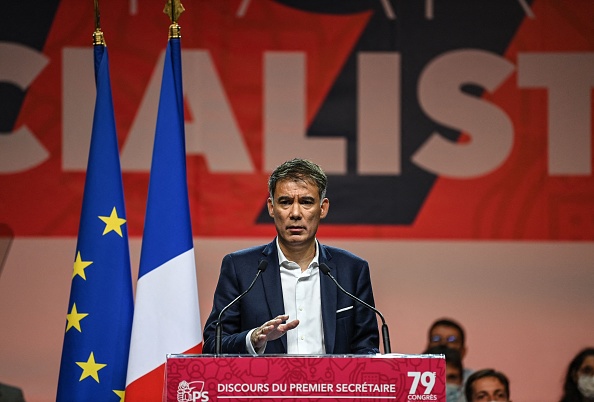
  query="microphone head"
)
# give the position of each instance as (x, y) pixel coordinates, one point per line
(263, 265)
(324, 268)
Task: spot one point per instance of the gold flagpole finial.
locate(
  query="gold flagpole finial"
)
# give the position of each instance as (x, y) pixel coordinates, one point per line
(98, 38)
(173, 8)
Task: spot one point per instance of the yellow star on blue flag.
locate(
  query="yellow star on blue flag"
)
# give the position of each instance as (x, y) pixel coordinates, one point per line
(113, 222)
(74, 318)
(90, 368)
(79, 267)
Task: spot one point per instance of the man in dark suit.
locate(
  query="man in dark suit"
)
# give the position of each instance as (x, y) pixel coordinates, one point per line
(293, 307)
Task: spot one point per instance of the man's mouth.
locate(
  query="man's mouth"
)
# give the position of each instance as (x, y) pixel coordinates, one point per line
(295, 229)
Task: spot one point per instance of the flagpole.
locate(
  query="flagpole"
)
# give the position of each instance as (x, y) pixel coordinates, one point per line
(98, 37)
(173, 8)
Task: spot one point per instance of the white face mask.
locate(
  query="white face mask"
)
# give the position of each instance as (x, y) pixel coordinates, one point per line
(586, 385)
(453, 393)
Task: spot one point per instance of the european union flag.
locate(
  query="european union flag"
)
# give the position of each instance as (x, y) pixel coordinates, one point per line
(99, 318)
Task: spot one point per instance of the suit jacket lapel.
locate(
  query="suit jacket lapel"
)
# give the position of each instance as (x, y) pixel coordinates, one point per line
(273, 291)
(328, 296)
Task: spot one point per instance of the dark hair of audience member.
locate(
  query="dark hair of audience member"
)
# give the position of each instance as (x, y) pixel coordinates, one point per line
(571, 393)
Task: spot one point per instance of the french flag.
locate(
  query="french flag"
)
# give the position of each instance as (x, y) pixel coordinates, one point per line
(166, 316)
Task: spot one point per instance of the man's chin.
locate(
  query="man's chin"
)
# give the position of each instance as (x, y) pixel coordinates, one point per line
(296, 239)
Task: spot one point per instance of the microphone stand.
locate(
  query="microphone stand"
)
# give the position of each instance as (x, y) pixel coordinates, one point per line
(385, 334)
(218, 326)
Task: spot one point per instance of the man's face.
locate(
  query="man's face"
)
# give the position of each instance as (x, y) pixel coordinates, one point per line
(447, 336)
(488, 389)
(297, 212)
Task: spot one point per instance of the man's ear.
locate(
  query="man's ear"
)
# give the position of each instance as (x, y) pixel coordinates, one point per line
(270, 207)
(325, 206)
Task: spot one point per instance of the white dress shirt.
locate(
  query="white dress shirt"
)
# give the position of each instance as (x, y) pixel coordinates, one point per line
(302, 301)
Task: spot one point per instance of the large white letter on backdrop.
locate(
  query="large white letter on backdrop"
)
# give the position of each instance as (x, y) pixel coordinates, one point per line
(569, 79)
(284, 117)
(441, 97)
(20, 150)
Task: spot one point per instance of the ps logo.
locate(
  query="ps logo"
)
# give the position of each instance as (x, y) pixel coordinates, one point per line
(191, 392)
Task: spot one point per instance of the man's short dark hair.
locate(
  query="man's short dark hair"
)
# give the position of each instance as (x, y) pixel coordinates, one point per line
(483, 374)
(447, 322)
(299, 170)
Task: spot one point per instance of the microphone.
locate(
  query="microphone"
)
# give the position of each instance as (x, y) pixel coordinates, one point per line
(385, 335)
(218, 328)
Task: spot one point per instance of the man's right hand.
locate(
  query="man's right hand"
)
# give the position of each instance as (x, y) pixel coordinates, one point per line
(271, 330)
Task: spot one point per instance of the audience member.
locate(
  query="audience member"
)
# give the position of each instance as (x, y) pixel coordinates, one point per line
(10, 393)
(487, 385)
(448, 332)
(453, 373)
(579, 380)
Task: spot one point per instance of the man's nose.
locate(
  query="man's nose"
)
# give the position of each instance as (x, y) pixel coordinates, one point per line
(295, 212)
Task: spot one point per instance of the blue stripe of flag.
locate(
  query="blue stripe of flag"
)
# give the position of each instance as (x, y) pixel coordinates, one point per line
(167, 230)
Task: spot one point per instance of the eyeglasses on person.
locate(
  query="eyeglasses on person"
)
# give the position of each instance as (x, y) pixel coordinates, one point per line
(448, 339)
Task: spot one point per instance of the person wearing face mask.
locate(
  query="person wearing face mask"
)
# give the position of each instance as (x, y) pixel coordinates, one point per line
(579, 380)
(448, 332)
(454, 372)
(487, 385)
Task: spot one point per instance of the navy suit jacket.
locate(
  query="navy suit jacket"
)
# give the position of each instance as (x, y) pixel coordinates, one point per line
(350, 331)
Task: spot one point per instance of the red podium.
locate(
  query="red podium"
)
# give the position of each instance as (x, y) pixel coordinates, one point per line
(392, 377)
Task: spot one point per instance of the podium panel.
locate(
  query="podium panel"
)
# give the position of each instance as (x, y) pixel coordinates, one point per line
(393, 377)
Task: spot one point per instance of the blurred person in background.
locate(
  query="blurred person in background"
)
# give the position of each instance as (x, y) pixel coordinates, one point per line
(579, 380)
(447, 332)
(9, 393)
(454, 372)
(487, 385)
